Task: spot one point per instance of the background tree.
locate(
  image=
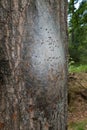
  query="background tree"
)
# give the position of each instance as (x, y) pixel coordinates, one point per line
(33, 68)
(78, 27)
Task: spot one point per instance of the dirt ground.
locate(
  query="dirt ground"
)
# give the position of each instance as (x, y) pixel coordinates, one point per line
(77, 98)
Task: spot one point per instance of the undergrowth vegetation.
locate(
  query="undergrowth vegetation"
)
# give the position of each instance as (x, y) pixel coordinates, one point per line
(78, 125)
(78, 68)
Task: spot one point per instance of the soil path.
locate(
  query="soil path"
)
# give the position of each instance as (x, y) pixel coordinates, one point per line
(77, 110)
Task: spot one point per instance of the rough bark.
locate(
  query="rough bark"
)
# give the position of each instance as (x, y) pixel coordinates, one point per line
(33, 67)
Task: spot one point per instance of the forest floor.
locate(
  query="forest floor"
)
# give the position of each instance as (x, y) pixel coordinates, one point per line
(77, 108)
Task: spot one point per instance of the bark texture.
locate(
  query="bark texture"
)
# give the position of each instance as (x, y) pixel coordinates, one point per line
(33, 67)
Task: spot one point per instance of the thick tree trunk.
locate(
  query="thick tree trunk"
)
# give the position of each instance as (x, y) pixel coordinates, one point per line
(33, 68)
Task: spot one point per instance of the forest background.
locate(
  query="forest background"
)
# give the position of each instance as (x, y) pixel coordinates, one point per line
(77, 32)
(77, 28)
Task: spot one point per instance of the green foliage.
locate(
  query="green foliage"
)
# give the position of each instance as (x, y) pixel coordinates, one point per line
(78, 68)
(78, 126)
(78, 31)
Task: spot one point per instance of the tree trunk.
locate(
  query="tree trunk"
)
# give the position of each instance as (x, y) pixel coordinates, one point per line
(33, 67)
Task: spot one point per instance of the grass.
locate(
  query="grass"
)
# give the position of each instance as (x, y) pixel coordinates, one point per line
(78, 68)
(78, 126)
